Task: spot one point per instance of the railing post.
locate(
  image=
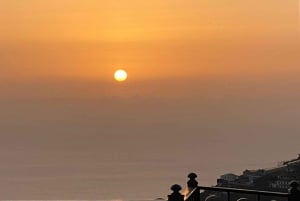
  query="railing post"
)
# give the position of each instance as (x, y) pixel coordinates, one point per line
(192, 184)
(294, 192)
(176, 195)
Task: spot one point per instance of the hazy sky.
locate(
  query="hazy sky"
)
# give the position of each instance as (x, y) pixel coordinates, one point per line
(213, 88)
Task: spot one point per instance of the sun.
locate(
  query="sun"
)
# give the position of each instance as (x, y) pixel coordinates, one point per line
(120, 75)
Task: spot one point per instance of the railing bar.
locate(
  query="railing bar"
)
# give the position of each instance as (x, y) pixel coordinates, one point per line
(228, 196)
(244, 191)
(199, 195)
(258, 197)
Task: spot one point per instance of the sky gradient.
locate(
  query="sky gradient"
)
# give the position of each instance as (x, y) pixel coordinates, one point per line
(213, 87)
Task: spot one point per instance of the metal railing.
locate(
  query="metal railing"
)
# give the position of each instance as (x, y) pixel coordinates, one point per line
(202, 193)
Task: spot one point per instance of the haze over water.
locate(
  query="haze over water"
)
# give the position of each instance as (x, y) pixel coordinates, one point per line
(213, 87)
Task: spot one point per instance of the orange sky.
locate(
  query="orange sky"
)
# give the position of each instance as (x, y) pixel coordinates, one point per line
(152, 39)
(133, 20)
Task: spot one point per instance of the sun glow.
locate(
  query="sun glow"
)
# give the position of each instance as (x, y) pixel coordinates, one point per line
(120, 75)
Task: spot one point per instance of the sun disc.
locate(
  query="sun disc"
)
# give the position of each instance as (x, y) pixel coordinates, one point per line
(120, 75)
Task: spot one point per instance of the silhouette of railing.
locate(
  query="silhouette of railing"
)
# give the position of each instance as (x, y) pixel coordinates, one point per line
(202, 193)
